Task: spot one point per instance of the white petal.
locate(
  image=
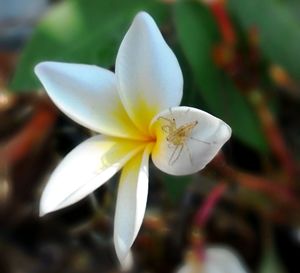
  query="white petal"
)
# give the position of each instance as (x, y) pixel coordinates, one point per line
(223, 260)
(127, 262)
(87, 94)
(131, 202)
(217, 260)
(185, 269)
(187, 139)
(84, 169)
(149, 76)
(198, 268)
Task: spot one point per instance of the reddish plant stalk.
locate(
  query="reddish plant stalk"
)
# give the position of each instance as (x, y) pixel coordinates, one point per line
(218, 9)
(274, 136)
(202, 216)
(33, 133)
(273, 189)
(205, 210)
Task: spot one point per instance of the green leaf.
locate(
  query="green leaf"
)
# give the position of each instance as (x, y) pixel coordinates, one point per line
(294, 6)
(271, 262)
(278, 30)
(197, 34)
(85, 31)
(175, 185)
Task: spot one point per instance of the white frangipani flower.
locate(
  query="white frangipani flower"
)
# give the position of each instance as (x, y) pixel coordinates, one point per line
(216, 260)
(136, 112)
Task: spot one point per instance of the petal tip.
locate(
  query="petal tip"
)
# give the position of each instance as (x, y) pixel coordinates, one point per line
(120, 251)
(144, 20)
(38, 69)
(46, 207)
(41, 68)
(44, 67)
(142, 15)
(43, 212)
(123, 252)
(127, 262)
(225, 131)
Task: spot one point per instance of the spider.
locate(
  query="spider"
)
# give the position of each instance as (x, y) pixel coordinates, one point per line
(177, 137)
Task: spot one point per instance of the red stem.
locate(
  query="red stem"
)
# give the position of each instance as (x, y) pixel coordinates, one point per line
(209, 203)
(223, 21)
(271, 188)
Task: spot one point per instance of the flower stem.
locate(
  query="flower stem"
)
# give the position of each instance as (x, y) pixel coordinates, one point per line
(205, 210)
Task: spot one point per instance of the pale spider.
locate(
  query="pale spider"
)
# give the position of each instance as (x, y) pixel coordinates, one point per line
(177, 137)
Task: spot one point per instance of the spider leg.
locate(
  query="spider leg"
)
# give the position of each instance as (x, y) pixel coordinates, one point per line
(173, 120)
(172, 124)
(170, 145)
(202, 141)
(189, 152)
(167, 119)
(176, 153)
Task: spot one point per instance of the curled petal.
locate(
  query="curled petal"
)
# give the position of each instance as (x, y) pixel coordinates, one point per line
(187, 139)
(87, 94)
(84, 169)
(131, 203)
(148, 73)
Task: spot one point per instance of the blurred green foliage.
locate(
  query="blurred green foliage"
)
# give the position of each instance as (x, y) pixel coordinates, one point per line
(175, 186)
(82, 31)
(278, 28)
(271, 261)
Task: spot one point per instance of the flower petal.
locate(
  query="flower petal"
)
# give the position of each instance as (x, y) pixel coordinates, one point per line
(187, 139)
(217, 260)
(149, 76)
(223, 260)
(87, 94)
(131, 202)
(84, 169)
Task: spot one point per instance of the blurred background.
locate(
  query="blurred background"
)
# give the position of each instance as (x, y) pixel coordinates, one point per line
(241, 62)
